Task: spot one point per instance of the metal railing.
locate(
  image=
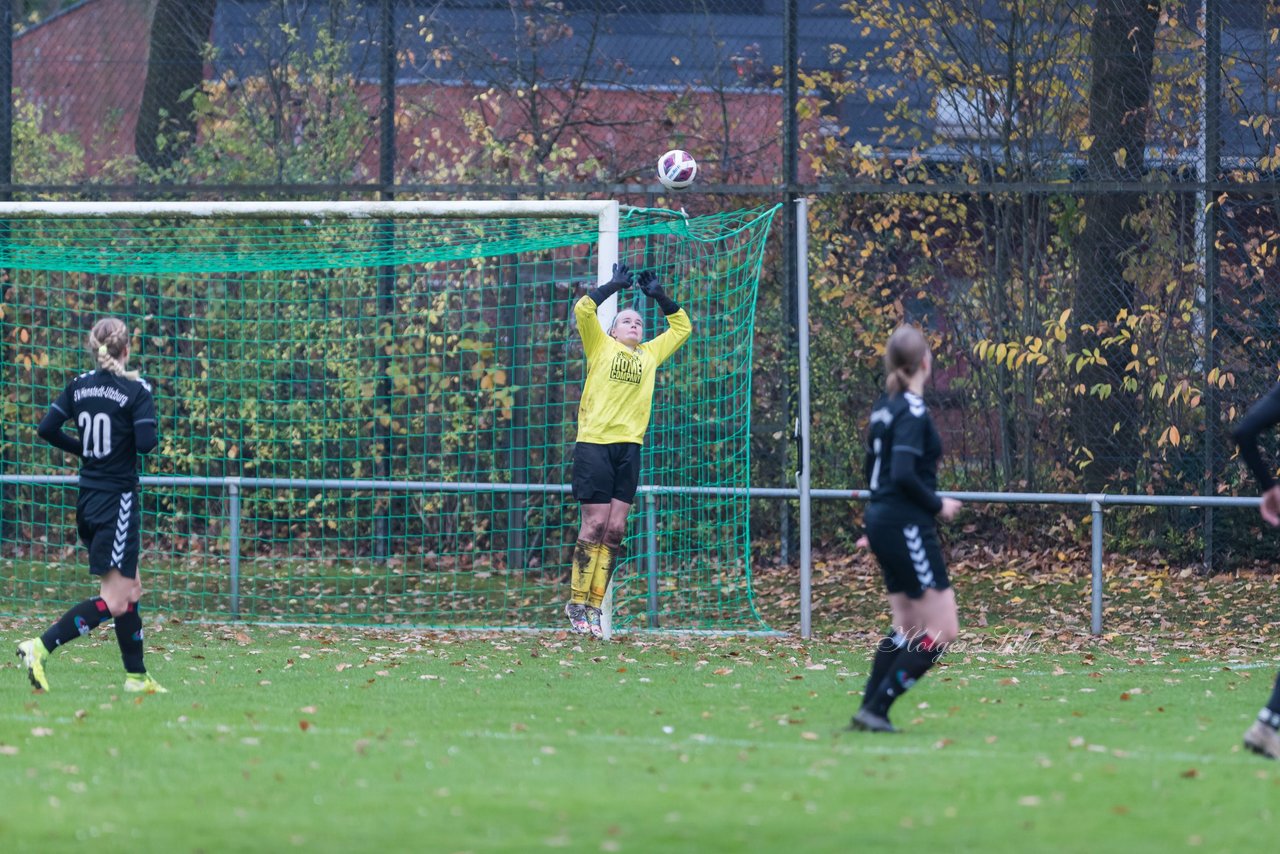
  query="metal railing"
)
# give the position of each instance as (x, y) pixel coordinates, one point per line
(647, 501)
(1095, 503)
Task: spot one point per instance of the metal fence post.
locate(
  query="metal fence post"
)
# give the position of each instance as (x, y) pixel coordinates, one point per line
(651, 555)
(1095, 559)
(803, 422)
(386, 242)
(6, 178)
(233, 499)
(1207, 203)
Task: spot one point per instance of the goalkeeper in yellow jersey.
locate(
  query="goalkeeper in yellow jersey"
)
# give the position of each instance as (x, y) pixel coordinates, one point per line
(613, 415)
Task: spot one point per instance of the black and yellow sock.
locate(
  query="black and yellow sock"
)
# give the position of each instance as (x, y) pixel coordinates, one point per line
(601, 572)
(584, 558)
(79, 620)
(129, 636)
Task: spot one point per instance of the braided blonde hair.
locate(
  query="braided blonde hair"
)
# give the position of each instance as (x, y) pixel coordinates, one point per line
(109, 344)
(904, 355)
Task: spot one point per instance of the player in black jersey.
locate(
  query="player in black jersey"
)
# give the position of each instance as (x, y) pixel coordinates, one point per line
(1262, 737)
(115, 415)
(901, 467)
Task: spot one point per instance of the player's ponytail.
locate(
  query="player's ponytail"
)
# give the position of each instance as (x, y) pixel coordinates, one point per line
(109, 345)
(904, 355)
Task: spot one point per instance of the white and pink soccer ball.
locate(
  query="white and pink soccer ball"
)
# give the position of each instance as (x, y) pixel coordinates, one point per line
(677, 169)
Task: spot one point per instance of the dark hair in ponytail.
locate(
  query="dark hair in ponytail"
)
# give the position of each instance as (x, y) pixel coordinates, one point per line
(904, 356)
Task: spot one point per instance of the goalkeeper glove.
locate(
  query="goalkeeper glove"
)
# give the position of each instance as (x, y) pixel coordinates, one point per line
(621, 279)
(649, 286)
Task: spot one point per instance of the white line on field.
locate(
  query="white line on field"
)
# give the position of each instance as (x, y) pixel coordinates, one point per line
(1221, 667)
(850, 744)
(873, 749)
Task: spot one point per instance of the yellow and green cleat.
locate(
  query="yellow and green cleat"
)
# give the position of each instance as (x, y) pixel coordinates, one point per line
(143, 683)
(33, 655)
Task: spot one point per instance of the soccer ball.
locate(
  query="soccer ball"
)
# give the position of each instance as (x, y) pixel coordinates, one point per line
(677, 169)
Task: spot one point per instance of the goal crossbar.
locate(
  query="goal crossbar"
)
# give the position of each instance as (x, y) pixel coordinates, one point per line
(283, 210)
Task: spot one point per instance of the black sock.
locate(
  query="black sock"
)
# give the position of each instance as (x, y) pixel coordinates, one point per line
(1270, 714)
(129, 636)
(886, 651)
(79, 620)
(911, 663)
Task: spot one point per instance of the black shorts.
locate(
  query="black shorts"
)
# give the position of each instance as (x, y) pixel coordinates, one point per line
(110, 526)
(602, 473)
(909, 553)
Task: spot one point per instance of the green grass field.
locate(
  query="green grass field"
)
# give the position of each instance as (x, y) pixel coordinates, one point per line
(345, 740)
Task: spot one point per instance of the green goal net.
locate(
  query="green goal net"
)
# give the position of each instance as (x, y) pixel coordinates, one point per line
(370, 419)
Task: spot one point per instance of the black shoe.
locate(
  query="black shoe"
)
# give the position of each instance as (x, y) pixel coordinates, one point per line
(868, 721)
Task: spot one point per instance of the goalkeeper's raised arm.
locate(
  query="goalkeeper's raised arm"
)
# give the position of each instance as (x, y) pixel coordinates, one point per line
(613, 415)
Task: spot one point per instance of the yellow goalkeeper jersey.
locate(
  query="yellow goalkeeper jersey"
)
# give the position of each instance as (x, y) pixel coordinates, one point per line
(617, 397)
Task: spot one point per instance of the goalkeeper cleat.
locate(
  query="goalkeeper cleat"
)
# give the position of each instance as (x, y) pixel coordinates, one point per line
(593, 621)
(1263, 740)
(577, 614)
(868, 721)
(33, 655)
(143, 683)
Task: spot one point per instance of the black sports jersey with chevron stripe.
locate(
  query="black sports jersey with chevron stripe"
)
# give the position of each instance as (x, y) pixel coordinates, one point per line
(110, 413)
(903, 448)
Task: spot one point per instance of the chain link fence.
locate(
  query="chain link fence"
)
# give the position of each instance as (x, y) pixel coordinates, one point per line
(1077, 199)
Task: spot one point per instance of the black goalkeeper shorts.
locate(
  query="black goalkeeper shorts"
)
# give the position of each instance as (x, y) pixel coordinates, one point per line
(602, 473)
(909, 553)
(110, 526)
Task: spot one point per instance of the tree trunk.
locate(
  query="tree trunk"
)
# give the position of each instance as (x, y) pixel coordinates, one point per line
(1119, 110)
(166, 126)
